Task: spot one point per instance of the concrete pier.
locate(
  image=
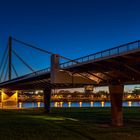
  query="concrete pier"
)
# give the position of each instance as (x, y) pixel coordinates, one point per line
(116, 95)
(47, 99)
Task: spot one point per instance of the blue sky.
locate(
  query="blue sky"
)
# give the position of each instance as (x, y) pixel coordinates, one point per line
(72, 28)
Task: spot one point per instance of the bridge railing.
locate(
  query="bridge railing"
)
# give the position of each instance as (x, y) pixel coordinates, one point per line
(36, 73)
(103, 54)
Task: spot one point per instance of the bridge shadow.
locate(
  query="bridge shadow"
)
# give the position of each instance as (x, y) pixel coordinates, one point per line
(87, 115)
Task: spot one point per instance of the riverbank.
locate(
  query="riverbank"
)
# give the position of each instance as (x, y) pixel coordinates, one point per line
(68, 124)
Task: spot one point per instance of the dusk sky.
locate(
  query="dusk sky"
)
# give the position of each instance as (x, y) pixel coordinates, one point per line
(71, 28)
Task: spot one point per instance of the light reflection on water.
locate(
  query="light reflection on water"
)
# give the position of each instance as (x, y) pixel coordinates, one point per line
(102, 104)
(129, 103)
(76, 104)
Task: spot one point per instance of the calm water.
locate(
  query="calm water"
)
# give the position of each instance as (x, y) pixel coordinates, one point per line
(76, 104)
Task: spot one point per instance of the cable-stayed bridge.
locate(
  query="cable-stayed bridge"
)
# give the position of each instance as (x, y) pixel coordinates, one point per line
(114, 67)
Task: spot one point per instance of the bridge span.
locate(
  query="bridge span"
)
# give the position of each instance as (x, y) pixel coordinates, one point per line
(114, 68)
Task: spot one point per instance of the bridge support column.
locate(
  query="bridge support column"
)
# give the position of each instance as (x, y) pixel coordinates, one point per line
(47, 100)
(116, 95)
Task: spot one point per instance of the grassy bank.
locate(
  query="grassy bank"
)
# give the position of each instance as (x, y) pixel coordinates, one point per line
(68, 124)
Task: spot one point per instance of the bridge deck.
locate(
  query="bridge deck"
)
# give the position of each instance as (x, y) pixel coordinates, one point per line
(119, 64)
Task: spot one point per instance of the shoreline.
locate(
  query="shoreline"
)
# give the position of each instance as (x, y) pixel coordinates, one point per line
(105, 100)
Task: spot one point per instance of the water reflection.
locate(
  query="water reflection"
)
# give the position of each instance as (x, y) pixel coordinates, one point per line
(61, 104)
(80, 104)
(75, 104)
(129, 103)
(69, 104)
(58, 104)
(20, 104)
(102, 103)
(55, 104)
(38, 104)
(91, 104)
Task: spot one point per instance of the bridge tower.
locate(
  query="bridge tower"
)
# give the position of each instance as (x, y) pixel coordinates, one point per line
(48, 90)
(9, 99)
(60, 77)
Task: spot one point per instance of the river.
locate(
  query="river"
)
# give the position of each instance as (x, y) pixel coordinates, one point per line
(76, 104)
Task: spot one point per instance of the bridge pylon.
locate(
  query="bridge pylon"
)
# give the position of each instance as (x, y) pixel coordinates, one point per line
(60, 77)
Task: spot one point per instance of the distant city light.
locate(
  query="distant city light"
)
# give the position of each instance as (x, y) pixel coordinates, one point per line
(38, 91)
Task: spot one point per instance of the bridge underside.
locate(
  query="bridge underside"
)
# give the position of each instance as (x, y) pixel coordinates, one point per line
(123, 69)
